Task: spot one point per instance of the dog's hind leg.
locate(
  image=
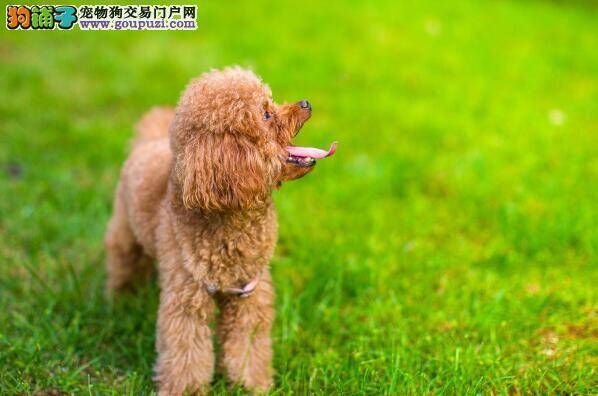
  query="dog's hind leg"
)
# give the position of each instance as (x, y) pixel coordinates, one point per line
(125, 259)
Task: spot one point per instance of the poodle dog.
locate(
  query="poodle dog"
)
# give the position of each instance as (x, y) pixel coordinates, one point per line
(195, 194)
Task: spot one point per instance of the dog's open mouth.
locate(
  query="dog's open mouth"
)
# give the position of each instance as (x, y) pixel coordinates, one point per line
(306, 156)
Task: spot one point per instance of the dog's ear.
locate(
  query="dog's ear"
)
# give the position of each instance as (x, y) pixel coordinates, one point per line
(223, 171)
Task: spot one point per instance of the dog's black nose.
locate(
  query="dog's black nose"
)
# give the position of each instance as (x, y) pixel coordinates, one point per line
(305, 105)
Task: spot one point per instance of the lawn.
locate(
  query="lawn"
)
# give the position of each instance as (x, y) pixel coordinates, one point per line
(449, 247)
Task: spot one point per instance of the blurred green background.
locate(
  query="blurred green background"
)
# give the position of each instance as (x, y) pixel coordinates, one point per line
(449, 247)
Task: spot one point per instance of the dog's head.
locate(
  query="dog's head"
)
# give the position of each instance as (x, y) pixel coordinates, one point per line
(230, 141)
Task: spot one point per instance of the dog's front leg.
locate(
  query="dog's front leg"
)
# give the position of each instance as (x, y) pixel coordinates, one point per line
(184, 343)
(244, 331)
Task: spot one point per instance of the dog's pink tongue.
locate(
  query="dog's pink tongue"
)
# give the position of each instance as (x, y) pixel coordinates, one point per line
(304, 152)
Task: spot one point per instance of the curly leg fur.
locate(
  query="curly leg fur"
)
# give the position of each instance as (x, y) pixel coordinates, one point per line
(244, 331)
(125, 261)
(184, 341)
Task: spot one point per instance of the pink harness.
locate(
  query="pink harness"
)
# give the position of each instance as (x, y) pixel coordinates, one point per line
(246, 290)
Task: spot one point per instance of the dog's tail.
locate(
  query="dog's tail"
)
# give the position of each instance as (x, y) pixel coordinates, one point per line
(153, 125)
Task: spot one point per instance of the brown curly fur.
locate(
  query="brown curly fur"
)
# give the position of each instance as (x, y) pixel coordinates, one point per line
(199, 201)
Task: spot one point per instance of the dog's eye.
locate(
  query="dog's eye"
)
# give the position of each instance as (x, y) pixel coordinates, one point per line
(267, 116)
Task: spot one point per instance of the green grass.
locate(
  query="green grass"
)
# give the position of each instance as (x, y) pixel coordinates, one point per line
(449, 247)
